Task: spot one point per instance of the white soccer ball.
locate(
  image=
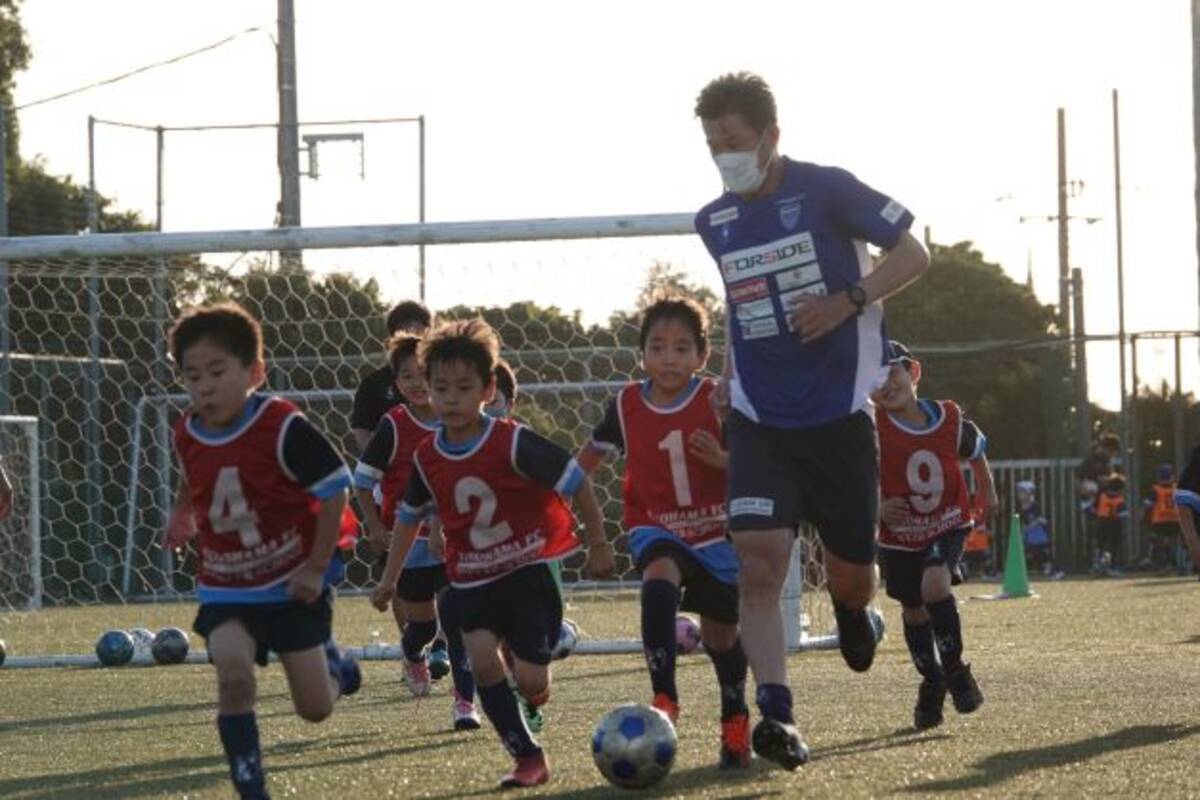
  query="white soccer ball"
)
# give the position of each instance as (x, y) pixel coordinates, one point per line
(687, 635)
(568, 638)
(634, 746)
(143, 638)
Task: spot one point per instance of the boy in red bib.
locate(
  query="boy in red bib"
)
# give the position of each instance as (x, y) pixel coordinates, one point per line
(498, 489)
(926, 515)
(675, 510)
(267, 493)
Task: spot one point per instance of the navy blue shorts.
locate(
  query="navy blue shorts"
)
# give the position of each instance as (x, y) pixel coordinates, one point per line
(827, 474)
(524, 608)
(904, 569)
(703, 592)
(280, 627)
(421, 584)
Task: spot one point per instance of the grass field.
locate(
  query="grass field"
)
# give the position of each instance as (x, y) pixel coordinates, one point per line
(1089, 692)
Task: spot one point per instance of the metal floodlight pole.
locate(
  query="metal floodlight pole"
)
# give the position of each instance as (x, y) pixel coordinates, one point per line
(5, 336)
(421, 200)
(1131, 490)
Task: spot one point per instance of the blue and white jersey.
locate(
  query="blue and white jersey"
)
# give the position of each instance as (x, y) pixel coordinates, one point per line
(809, 237)
(1187, 493)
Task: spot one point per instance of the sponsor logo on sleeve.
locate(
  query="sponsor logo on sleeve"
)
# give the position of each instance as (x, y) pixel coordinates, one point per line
(892, 212)
(759, 328)
(751, 506)
(723, 216)
(764, 259)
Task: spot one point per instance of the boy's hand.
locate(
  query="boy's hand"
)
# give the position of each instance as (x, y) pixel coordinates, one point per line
(381, 598)
(988, 506)
(894, 511)
(181, 526)
(705, 447)
(377, 538)
(307, 585)
(437, 542)
(720, 398)
(600, 561)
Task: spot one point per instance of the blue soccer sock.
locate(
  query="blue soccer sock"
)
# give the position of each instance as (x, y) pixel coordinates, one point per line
(239, 735)
(947, 631)
(500, 705)
(460, 665)
(919, 639)
(731, 670)
(660, 602)
(775, 702)
(415, 637)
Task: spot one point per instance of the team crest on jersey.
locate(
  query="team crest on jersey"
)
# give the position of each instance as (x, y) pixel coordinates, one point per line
(789, 212)
(725, 232)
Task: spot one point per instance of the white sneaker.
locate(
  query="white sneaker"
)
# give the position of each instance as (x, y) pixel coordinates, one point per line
(463, 715)
(416, 675)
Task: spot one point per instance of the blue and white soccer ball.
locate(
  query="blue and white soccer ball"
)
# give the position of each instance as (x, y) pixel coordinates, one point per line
(142, 639)
(634, 746)
(114, 648)
(568, 638)
(170, 646)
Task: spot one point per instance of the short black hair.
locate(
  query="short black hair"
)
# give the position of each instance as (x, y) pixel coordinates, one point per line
(741, 93)
(506, 381)
(227, 325)
(401, 347)
(1115, 482)
(470, 341)
(682, 309)
(407, 315)
(1110, 441)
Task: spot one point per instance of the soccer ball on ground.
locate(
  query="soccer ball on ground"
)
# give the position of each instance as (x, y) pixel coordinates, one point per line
(634, 746)
(568, 637)
(170, 646)
(142, 639)
(687, 635)
(114, 648)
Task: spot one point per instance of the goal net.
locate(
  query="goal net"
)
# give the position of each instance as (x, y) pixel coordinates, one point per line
(88, 318)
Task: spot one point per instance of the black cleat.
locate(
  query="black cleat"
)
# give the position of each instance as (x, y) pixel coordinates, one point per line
(779, 742)
(857, 638)
(963, 690)
(930, 697)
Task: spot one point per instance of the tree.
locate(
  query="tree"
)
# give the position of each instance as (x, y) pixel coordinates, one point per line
(1016, 394)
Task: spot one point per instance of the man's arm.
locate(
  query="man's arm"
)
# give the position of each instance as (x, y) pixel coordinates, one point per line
(813, 316)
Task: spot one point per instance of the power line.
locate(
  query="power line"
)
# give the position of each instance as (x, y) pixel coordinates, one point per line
(140, 70)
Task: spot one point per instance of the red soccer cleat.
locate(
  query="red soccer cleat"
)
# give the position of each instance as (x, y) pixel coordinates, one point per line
(667, 706)
(532, 770)
(735, 742)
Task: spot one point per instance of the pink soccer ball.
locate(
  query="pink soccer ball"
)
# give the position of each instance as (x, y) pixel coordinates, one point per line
(687, 635)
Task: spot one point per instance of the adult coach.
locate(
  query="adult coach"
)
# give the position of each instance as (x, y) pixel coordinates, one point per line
(807, 346)
(377, 393)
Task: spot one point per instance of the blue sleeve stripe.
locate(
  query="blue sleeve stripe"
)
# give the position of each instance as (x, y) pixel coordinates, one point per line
(981, 443)
(366, 476)
(571, 478)
(411, 516)
(331, 484)
(1187, 499)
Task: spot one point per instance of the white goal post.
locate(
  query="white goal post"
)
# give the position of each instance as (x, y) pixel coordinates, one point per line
(115, 463)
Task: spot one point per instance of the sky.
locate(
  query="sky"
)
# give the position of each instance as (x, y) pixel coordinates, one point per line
(552, 109)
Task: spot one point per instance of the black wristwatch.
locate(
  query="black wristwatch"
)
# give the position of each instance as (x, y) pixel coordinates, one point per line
(858, 297)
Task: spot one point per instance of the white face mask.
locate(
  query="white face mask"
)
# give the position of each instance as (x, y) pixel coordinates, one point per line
(740, 171)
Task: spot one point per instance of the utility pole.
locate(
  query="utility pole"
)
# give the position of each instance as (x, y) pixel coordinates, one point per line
(1083, 411)
(1064, 267)
(289, 134)
(1196, 109)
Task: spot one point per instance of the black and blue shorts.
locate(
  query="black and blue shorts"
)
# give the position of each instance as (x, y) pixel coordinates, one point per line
(279, 627)
(905, 569)
(827, 474)
(421, 584)
(524, 608)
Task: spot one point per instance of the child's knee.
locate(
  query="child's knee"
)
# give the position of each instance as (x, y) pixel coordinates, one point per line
(533, 681)
(718, 636)
(235, 685)
(314, 709)
(662, 569)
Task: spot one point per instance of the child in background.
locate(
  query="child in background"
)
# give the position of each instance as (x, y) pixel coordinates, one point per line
(1039, 548)
(1166, 549)
(1110, 514)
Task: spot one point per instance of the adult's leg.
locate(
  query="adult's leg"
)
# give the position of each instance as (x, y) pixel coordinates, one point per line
(764, 556)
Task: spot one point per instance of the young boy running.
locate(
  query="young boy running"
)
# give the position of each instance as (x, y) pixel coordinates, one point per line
(267, 493)
(387, 463)
(675, 511)
(497, 488)
(926, 511)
